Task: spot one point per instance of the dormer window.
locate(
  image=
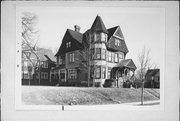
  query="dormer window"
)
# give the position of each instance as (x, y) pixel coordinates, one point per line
(117, 42)
(68, 44)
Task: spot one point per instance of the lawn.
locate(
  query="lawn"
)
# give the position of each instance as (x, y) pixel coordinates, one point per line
(46, 95)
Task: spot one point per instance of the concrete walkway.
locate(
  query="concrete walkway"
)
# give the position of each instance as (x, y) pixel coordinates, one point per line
(147, 105)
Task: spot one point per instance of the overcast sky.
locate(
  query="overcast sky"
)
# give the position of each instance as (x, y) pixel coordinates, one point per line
(140, 26)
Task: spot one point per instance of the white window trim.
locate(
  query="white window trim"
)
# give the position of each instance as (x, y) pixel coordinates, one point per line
(71, 57)
(44, 75)
(72, 73)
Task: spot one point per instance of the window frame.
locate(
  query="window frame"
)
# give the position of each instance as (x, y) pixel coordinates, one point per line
(97, 71)
(72, 74)
(116, 58)
(109, 72)
(103, 54)
(98, 53)
(44, 75)
(44, 64)
(71, 57)
(103, 72)
(103, 37)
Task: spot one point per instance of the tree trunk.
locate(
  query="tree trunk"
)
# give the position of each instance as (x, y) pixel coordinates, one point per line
(142, 92)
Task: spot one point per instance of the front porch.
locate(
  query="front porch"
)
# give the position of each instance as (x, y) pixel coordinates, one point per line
(123, 73)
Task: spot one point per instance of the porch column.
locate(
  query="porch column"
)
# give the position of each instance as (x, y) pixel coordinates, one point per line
(50, 76)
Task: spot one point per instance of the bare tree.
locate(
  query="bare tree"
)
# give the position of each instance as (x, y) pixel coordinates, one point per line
(143, 64)
(30, 37)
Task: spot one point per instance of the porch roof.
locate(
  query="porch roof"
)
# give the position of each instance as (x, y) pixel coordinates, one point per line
(126, 63)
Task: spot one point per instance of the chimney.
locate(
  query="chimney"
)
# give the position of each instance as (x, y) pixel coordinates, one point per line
(77, 28)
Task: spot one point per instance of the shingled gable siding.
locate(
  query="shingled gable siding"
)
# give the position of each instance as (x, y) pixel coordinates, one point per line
(77, 59)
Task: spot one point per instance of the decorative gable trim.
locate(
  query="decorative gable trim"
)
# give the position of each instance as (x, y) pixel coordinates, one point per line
(120, 32)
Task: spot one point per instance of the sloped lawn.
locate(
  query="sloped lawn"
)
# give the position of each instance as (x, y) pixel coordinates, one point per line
(45, 95)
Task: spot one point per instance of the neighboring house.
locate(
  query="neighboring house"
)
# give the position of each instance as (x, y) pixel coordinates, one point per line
(152, 78)
(99, 50)
(39, 74)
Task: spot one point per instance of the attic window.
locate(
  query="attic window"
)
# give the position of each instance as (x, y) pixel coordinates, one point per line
(68, 44)
(117, 42)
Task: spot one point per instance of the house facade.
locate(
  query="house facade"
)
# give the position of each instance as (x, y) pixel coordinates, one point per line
(36, 67)
(93, 56)
(152, 78)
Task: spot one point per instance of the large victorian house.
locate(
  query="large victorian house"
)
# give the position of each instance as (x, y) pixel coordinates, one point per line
(92, 57)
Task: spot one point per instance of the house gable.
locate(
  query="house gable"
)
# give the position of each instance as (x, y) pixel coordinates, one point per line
(115, 33)
(118, 33)
(75, 39)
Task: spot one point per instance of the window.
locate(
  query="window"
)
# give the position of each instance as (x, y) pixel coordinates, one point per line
(116, 57)
(110, 56)
(68, 44)
(103, 72)
(92, 72)
(120, 57)
(37, 75)
(26, 76)
(92, 53)
(98, 37)
(103, 37)
(71, 57)
(44, 65)
(98, 53)
(117, 42)
(44, 75)
(92, 37)
(103, 55)
(109, 73)
(60, 60)
(98, 72)
(72, 74)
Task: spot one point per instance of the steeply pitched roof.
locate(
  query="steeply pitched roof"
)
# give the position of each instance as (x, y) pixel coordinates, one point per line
(98, 25)
(127, 63)
(152, 72)
(70, 35)
(44, 54)
(111, 31)
(76, 35)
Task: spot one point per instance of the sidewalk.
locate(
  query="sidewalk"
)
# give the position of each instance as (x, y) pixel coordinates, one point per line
(147, 105)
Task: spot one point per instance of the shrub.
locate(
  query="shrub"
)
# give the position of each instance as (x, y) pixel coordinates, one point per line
(109, 83)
